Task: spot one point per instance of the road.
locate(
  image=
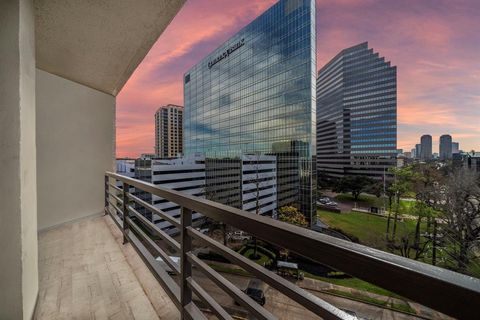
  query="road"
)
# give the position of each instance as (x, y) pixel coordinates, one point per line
(285, 308)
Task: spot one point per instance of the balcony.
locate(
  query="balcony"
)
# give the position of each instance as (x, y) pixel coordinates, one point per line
(75, 245)
(108, 267)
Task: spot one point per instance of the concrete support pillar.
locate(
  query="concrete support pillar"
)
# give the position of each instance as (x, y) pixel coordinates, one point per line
(18, 195)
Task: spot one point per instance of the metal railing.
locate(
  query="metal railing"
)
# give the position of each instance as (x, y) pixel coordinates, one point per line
(448, 292)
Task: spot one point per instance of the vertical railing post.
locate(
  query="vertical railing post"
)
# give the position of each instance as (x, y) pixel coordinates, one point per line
(125, 212)
(105, 208)
(185, 265)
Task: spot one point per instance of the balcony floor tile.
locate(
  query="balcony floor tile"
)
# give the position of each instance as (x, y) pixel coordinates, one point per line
(86, 273)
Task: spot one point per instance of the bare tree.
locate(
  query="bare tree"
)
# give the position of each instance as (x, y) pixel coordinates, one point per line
(401, 184)
(461, 208)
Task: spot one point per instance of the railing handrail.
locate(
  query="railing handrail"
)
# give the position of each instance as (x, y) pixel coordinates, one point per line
(446, 291)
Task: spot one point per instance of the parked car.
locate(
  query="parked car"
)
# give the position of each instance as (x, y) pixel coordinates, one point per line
(239, 236)
(204, 230)
(323, 200)
(331, 204)
(255, 290)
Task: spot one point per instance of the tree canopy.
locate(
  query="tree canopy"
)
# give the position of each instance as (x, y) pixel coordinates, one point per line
(292, 215)
(353, 184)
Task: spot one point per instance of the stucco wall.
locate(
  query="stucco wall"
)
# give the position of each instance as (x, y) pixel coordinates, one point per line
(75, 146)
(18, 209)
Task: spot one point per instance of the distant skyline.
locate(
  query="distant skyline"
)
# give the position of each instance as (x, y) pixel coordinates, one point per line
(434, 44)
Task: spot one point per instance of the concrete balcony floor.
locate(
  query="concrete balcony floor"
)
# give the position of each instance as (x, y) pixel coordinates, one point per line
(86, 273)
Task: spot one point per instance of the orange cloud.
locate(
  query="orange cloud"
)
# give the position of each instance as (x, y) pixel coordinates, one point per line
(433, 43)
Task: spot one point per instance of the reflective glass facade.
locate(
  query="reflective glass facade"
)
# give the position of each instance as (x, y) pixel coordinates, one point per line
(356, 114)
(255, 94)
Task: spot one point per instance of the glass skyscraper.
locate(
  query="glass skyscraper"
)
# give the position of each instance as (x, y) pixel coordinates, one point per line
(255, 94)
(356, 114)
(426, 147)
(445, 147)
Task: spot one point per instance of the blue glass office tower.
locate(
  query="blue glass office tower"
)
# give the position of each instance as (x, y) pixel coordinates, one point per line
(255, 94)
(356, 114)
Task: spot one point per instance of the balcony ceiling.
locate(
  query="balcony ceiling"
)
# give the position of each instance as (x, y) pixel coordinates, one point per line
(98, 43)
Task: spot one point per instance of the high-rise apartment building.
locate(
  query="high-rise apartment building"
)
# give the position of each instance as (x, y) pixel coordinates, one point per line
(445, 147)
(169, 131)
(255, 94)
(426, 147)
(418, 151)
(455, 147)
(356, 114)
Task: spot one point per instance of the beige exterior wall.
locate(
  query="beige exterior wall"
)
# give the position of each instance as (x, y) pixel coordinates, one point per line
(75, 146)
(18, 198)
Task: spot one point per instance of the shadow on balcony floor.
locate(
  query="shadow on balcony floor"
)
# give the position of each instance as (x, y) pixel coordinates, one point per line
(86, 273)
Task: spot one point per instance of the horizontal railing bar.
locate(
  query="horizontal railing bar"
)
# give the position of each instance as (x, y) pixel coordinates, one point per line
(194, 312)
(175, 268)
(162, 214)
(160, 233)
(231, 289)
(383, 269)
(171, 288)
(304, 298)
(115, 218)
(115, 187)
(115, 206)
(205, 297)
(116, 198)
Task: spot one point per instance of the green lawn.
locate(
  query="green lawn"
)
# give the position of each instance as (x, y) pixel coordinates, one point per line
(263, 259)
(400, 306)
(355, 284)
(368, 200)
(369, 229)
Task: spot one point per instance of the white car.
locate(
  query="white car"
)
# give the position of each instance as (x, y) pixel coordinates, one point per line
(239, 236)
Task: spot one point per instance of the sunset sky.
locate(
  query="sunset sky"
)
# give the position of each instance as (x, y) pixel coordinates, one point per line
(435, 45)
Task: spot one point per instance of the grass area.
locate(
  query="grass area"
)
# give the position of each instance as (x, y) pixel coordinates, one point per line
(369, 229)
(262, 260)
(225, 269)
(368, 200)
(404, 307)
(355, 283)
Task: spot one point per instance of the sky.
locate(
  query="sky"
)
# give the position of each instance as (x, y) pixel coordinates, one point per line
(435, 45)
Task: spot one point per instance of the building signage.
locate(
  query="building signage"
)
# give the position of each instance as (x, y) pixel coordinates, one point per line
(226, 53)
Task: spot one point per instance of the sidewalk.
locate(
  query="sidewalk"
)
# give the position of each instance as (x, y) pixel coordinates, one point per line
(321, 286)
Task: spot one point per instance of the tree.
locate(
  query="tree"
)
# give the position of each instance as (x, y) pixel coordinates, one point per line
(412, 241)
(426, 180)
(401, 185)
(292, 215)
(211, 194)
(390, 194)
(353, 184)
(376, 188)
(460, 204)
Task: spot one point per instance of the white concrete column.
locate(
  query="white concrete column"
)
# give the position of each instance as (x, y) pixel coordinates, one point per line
(18, 195)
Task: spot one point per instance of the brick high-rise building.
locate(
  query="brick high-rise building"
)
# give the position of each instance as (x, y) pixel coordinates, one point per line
(168, 131)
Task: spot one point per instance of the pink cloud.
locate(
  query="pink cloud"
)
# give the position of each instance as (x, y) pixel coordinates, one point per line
(433, 43)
